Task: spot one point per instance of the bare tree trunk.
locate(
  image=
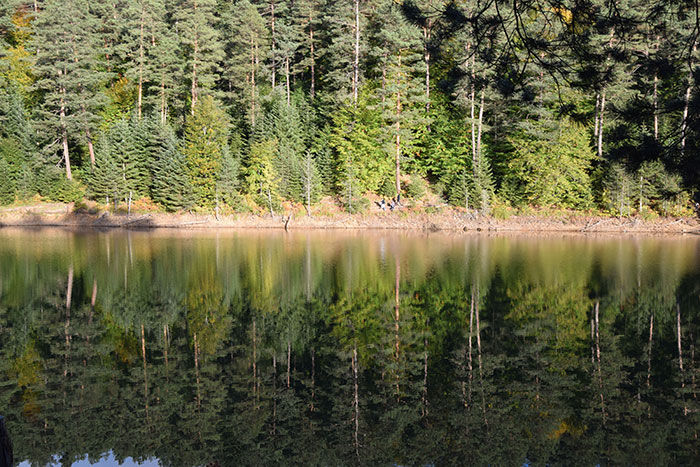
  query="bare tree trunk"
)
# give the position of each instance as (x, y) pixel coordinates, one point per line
(472, 116)
(426, 57)
(163, 101)
(91, 149)
(253, 67)
(145, 371)
(597, 116)
(195, 58)
(600, 124)
(597, 351)
(424, 398)
(166, 340)
(289, 362)
(196, 370)
(313, 378)
(286, 73)
(398, 134)
(397, 317)
(688, 92)
(651, 341)
(656, 107)
(274, 392)
(469, 359)
(356, 403)
(356, 61)
(680, 356)
(481, 125)
(140, 85)
(66, 325)
(255, 362)
(313, 58)
(478, 346)
(64, 131)
(274, 44)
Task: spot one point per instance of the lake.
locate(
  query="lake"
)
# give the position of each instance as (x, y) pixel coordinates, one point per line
(349, 348)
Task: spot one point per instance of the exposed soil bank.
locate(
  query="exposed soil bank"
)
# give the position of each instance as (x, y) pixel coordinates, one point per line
(62, 215)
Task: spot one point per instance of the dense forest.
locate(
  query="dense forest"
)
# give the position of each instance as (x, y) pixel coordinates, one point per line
(338, 349)
(246, 105)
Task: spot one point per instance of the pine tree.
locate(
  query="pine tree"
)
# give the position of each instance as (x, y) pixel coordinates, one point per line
(68, 74)
(402, 94)
(261, 179)
(170, 183)
(196, 22)
(246, 49)
(205, 145)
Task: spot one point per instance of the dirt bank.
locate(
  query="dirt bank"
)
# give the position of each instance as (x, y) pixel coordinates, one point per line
(446, 218)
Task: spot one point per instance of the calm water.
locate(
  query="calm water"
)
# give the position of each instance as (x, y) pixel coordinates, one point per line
(341, 348)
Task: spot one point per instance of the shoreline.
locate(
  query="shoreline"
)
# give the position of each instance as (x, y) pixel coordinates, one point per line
(449, 219)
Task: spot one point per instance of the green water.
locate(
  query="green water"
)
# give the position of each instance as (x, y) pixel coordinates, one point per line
(342, 348)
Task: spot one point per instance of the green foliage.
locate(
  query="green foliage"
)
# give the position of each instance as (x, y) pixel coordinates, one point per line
(262, 179)
(416, 188)
(618, 190)
(7, 187)
(556, 172)
(171, 185)
(361, 164)
(205, 147)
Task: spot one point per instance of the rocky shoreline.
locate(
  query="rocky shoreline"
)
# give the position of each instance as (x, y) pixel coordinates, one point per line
(448, 219)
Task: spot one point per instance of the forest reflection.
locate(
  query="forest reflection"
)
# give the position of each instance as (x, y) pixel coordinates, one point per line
(337, 348)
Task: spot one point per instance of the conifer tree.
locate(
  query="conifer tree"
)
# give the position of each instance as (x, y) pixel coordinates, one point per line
(68, 74)
(246, 49)
(205, 146)
(170, 183)
(196, 22)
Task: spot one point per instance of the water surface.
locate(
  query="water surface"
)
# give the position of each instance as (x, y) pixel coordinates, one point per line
(342, 348)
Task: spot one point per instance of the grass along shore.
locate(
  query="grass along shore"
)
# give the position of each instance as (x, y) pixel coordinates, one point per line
(328, 216)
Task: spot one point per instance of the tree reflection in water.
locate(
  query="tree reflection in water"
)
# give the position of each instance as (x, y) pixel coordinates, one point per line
(349, 348)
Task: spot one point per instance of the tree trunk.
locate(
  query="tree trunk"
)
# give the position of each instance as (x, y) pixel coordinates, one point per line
(597, 351)
(656, 107)
(195, 58)
(397, 317)
(196, 370)
(424, 398)
(398, 133)
(597, 114)
(472, 117)
(313, 379)
(274, 44)
(286, 74)
(289, 362)
(469, 355)
(600, 124)
(426, 58)
(64, 131)
(356, 61)
(688, 92)
(66, 325)
(651, 341)
(145, 371)
(140, 85)
(680, 356)
(481, 125)
(163, 102)
(91, 149)
(253, 66)
(313, 58)
(356, 402)
(478, 347)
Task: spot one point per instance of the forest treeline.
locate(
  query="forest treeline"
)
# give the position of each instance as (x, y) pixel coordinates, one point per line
(197, 104)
